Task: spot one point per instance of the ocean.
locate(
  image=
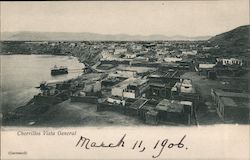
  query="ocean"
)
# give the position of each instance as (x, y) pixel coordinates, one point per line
(21, 74)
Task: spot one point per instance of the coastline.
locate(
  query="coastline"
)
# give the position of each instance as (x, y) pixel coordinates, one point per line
(3, 114)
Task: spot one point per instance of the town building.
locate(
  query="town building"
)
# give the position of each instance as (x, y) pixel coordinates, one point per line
(131, 71)
(184, 90)
(130, 56)
(172, 59)
(161, 83)
(230, 61)
(207, 70)
(173, 111)
(130, 88)
(107, 54)
(151, 117)
(189, 53)
(120, 50)
(231, 106)
(148, 113)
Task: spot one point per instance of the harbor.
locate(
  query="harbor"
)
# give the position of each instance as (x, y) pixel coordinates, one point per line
(171, 87)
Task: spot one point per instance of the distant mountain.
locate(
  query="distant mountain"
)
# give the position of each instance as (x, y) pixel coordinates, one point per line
(67, 36)
(236, 41)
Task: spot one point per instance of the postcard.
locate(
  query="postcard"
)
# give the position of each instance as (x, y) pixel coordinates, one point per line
(125, 80)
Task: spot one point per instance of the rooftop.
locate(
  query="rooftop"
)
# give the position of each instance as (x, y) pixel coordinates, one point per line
(187, 81)
(206, 66)
(168, 74)
(184, 86)
(235, 102)
(228, 102)
(138, 103)
(233, 99)
(131, 81)
(222, 93)
(172, 105)
(135, 69)
(172, 59)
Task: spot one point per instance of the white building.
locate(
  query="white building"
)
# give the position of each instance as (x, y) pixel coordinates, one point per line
(192, 53)
(136, 47)
(120, 50)
(206, 66)
(230, 61)
(206, 48)
(184, 86)
(116, 100)
(130, 56)
(106, 54)
(130, 88)
(172, 59)
(123, 73)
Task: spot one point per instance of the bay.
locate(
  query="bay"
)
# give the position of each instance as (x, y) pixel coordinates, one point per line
(21, 74)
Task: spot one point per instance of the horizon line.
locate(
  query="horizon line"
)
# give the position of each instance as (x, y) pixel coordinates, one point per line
(110, 34)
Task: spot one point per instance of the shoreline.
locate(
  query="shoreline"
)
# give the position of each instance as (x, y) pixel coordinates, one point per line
(35, 86)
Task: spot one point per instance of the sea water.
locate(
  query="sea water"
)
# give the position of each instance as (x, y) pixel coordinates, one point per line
(21, 74)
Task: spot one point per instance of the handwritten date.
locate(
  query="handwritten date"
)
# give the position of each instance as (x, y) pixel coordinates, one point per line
(139, 145)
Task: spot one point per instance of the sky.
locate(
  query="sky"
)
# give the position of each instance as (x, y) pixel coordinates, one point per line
(187, 18)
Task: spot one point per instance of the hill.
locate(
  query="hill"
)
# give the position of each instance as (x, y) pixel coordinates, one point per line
(233, 42)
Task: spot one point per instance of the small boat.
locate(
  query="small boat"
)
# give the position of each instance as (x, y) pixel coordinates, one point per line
(59, 70)
(31, 123)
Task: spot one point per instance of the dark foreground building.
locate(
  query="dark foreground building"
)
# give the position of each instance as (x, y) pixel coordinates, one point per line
(232, 106)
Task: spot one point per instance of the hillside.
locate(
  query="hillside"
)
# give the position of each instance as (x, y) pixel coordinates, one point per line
(235, 41)
(85, 36)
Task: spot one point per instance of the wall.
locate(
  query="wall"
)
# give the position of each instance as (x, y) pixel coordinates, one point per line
(129, 94)
(116, 91)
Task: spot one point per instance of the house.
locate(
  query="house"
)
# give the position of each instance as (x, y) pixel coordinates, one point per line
(146, 110)
(135, 105)
(116, 100)
(112, 103)
(92, 88)
(160, 84)
(174, 111)
(130, 88)
(120, 50)
(230, 61)
(106, 54)
(206, 48)
(141, 59)
(231, 106)
(111, 81)
(172, 59)
(190, 53)
(183, 86)
(206, 69)
(186, 86)
(165, 66)
(127, 71)
(184, 90)
(136, 47)
(186, 64)
(151, 117)
(130, 56)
